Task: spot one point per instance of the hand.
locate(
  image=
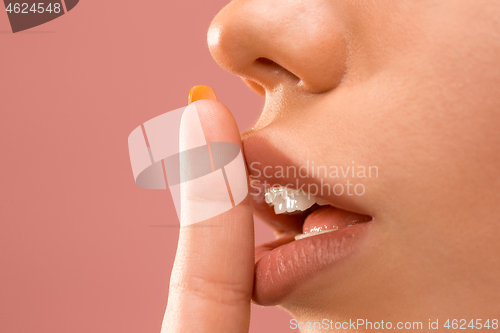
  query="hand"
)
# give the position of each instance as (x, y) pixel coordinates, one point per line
(212, 278)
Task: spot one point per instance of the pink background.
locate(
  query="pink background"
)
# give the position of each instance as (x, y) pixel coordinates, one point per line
(82, 248)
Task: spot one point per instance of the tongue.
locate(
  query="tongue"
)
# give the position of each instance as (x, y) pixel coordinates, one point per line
(328, 218)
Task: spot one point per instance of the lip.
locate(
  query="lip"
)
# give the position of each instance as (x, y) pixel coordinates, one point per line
(284, 264)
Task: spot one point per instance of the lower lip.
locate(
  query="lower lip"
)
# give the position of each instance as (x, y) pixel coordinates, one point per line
(284, 264)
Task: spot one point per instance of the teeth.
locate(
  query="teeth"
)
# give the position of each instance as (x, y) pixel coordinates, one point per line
(280, 205)
(321, 202)
(287, 200)
(300, 236)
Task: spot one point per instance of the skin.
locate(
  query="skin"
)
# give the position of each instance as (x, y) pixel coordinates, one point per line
(408, 86)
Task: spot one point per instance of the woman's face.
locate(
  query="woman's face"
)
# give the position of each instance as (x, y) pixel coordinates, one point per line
(410, 87)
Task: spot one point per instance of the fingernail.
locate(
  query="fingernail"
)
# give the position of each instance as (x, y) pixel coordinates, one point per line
(201, 92)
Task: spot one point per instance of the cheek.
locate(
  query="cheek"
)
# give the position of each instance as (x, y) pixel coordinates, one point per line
(427, 136)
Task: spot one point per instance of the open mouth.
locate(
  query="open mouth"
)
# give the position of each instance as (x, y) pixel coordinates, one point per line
(317, 229)
(312, 235)
(318, 215)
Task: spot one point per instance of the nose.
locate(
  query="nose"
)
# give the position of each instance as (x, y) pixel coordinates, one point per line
(296, 44)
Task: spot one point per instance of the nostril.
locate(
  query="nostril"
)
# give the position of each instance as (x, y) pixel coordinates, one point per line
(265, 61)
(270, 65)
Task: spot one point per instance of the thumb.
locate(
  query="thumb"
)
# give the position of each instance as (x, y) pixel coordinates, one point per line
(212, 278)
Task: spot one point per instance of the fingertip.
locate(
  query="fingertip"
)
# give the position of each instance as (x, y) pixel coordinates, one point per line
(226, 186)
(218, 122)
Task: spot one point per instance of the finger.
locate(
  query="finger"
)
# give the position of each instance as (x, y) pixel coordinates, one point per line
(212, 278)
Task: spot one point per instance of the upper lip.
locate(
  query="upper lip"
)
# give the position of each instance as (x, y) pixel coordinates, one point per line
(263, 160)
